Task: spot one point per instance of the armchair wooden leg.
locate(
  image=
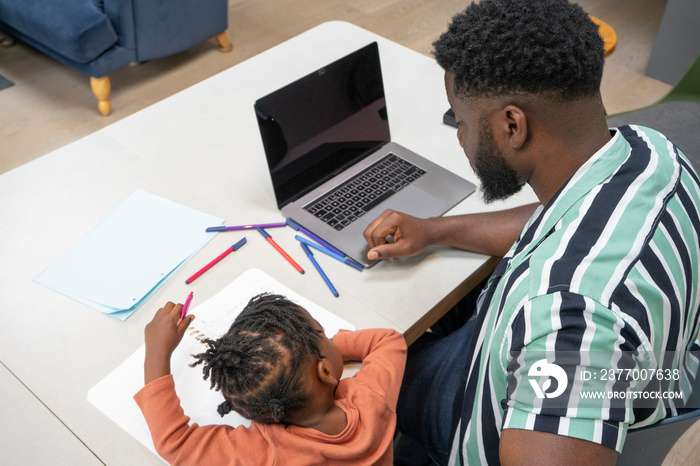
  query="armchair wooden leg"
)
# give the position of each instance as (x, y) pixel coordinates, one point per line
(6, 41)
(221, 41)
(102, 88)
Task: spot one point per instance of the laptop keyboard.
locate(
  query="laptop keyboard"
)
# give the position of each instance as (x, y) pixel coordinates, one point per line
(364, 191)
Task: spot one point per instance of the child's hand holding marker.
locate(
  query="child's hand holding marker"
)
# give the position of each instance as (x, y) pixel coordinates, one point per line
(183, 312)
(162, 336)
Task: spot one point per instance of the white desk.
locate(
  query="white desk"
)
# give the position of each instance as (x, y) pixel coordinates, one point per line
(201, 148)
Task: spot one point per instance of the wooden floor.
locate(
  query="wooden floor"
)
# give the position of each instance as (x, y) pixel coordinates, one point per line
(51, 105)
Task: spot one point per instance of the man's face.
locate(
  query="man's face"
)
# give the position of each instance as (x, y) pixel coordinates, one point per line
(498, 179)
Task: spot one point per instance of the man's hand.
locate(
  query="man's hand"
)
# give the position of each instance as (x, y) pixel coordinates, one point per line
(490, 233)
(163, 334)
(410, 235)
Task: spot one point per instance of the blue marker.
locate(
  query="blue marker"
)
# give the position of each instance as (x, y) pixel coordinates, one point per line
(341, 258)
(320, 270)
(300, 228)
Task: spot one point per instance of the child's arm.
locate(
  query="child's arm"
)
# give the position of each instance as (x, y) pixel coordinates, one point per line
(163, 334)
(178, 441)
(383, 356)
(175, 439)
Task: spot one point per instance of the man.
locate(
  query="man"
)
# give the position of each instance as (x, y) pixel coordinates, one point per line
(599, 278)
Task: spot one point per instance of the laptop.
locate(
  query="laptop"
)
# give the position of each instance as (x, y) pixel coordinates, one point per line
(333, 166)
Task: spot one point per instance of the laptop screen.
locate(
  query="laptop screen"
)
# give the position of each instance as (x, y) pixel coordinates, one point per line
(322, 123)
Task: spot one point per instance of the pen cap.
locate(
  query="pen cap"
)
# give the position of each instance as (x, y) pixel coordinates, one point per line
(239, 244)
(293, 224)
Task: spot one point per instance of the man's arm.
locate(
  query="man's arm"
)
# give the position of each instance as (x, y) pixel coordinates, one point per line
(491, 233)
(526, 447)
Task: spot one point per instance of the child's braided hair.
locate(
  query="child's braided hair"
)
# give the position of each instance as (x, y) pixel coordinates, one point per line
(259, 364)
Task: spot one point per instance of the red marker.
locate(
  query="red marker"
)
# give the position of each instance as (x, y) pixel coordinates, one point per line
(215, 261)
(281, 251)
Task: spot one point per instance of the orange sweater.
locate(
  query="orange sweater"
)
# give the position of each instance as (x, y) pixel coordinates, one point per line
(368, 399)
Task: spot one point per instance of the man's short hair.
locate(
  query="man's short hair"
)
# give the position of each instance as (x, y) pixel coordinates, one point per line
(500, 47)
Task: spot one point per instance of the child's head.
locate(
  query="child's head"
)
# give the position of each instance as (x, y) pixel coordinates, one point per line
(261, 365)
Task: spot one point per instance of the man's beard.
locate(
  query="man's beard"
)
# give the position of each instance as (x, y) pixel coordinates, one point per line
(498, 180)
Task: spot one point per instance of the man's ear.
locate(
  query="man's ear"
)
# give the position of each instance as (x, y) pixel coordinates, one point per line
(515, 126)
(324, 373)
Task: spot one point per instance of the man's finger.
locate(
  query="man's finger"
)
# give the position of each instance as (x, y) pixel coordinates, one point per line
(371, 233)
(388, 251)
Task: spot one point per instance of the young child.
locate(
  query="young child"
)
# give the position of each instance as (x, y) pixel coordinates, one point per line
(276, 367)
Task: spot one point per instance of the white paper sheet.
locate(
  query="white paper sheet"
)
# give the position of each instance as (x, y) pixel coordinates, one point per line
(114, 394)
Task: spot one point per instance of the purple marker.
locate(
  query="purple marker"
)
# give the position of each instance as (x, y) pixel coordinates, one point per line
(247, 227)
(300, 228)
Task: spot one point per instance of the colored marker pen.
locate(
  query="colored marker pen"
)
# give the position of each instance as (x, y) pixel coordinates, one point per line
(269, 239)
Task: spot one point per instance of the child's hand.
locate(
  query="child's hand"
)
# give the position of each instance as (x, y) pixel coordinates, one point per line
(163, 334)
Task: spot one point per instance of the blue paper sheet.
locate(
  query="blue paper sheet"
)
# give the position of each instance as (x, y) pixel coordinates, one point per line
(130, 254)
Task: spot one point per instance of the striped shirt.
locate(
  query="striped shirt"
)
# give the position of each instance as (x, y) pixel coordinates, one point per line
(602, 279)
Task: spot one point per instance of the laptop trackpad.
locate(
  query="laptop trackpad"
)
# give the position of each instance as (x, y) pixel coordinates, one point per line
(413, 201)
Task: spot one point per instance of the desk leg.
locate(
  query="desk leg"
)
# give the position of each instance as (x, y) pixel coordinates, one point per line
(101, 87)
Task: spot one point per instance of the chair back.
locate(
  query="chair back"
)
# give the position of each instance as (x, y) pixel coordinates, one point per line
(688, 88)
(651, 444)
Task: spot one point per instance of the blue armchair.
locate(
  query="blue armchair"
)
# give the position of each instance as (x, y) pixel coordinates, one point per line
(99, 36)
